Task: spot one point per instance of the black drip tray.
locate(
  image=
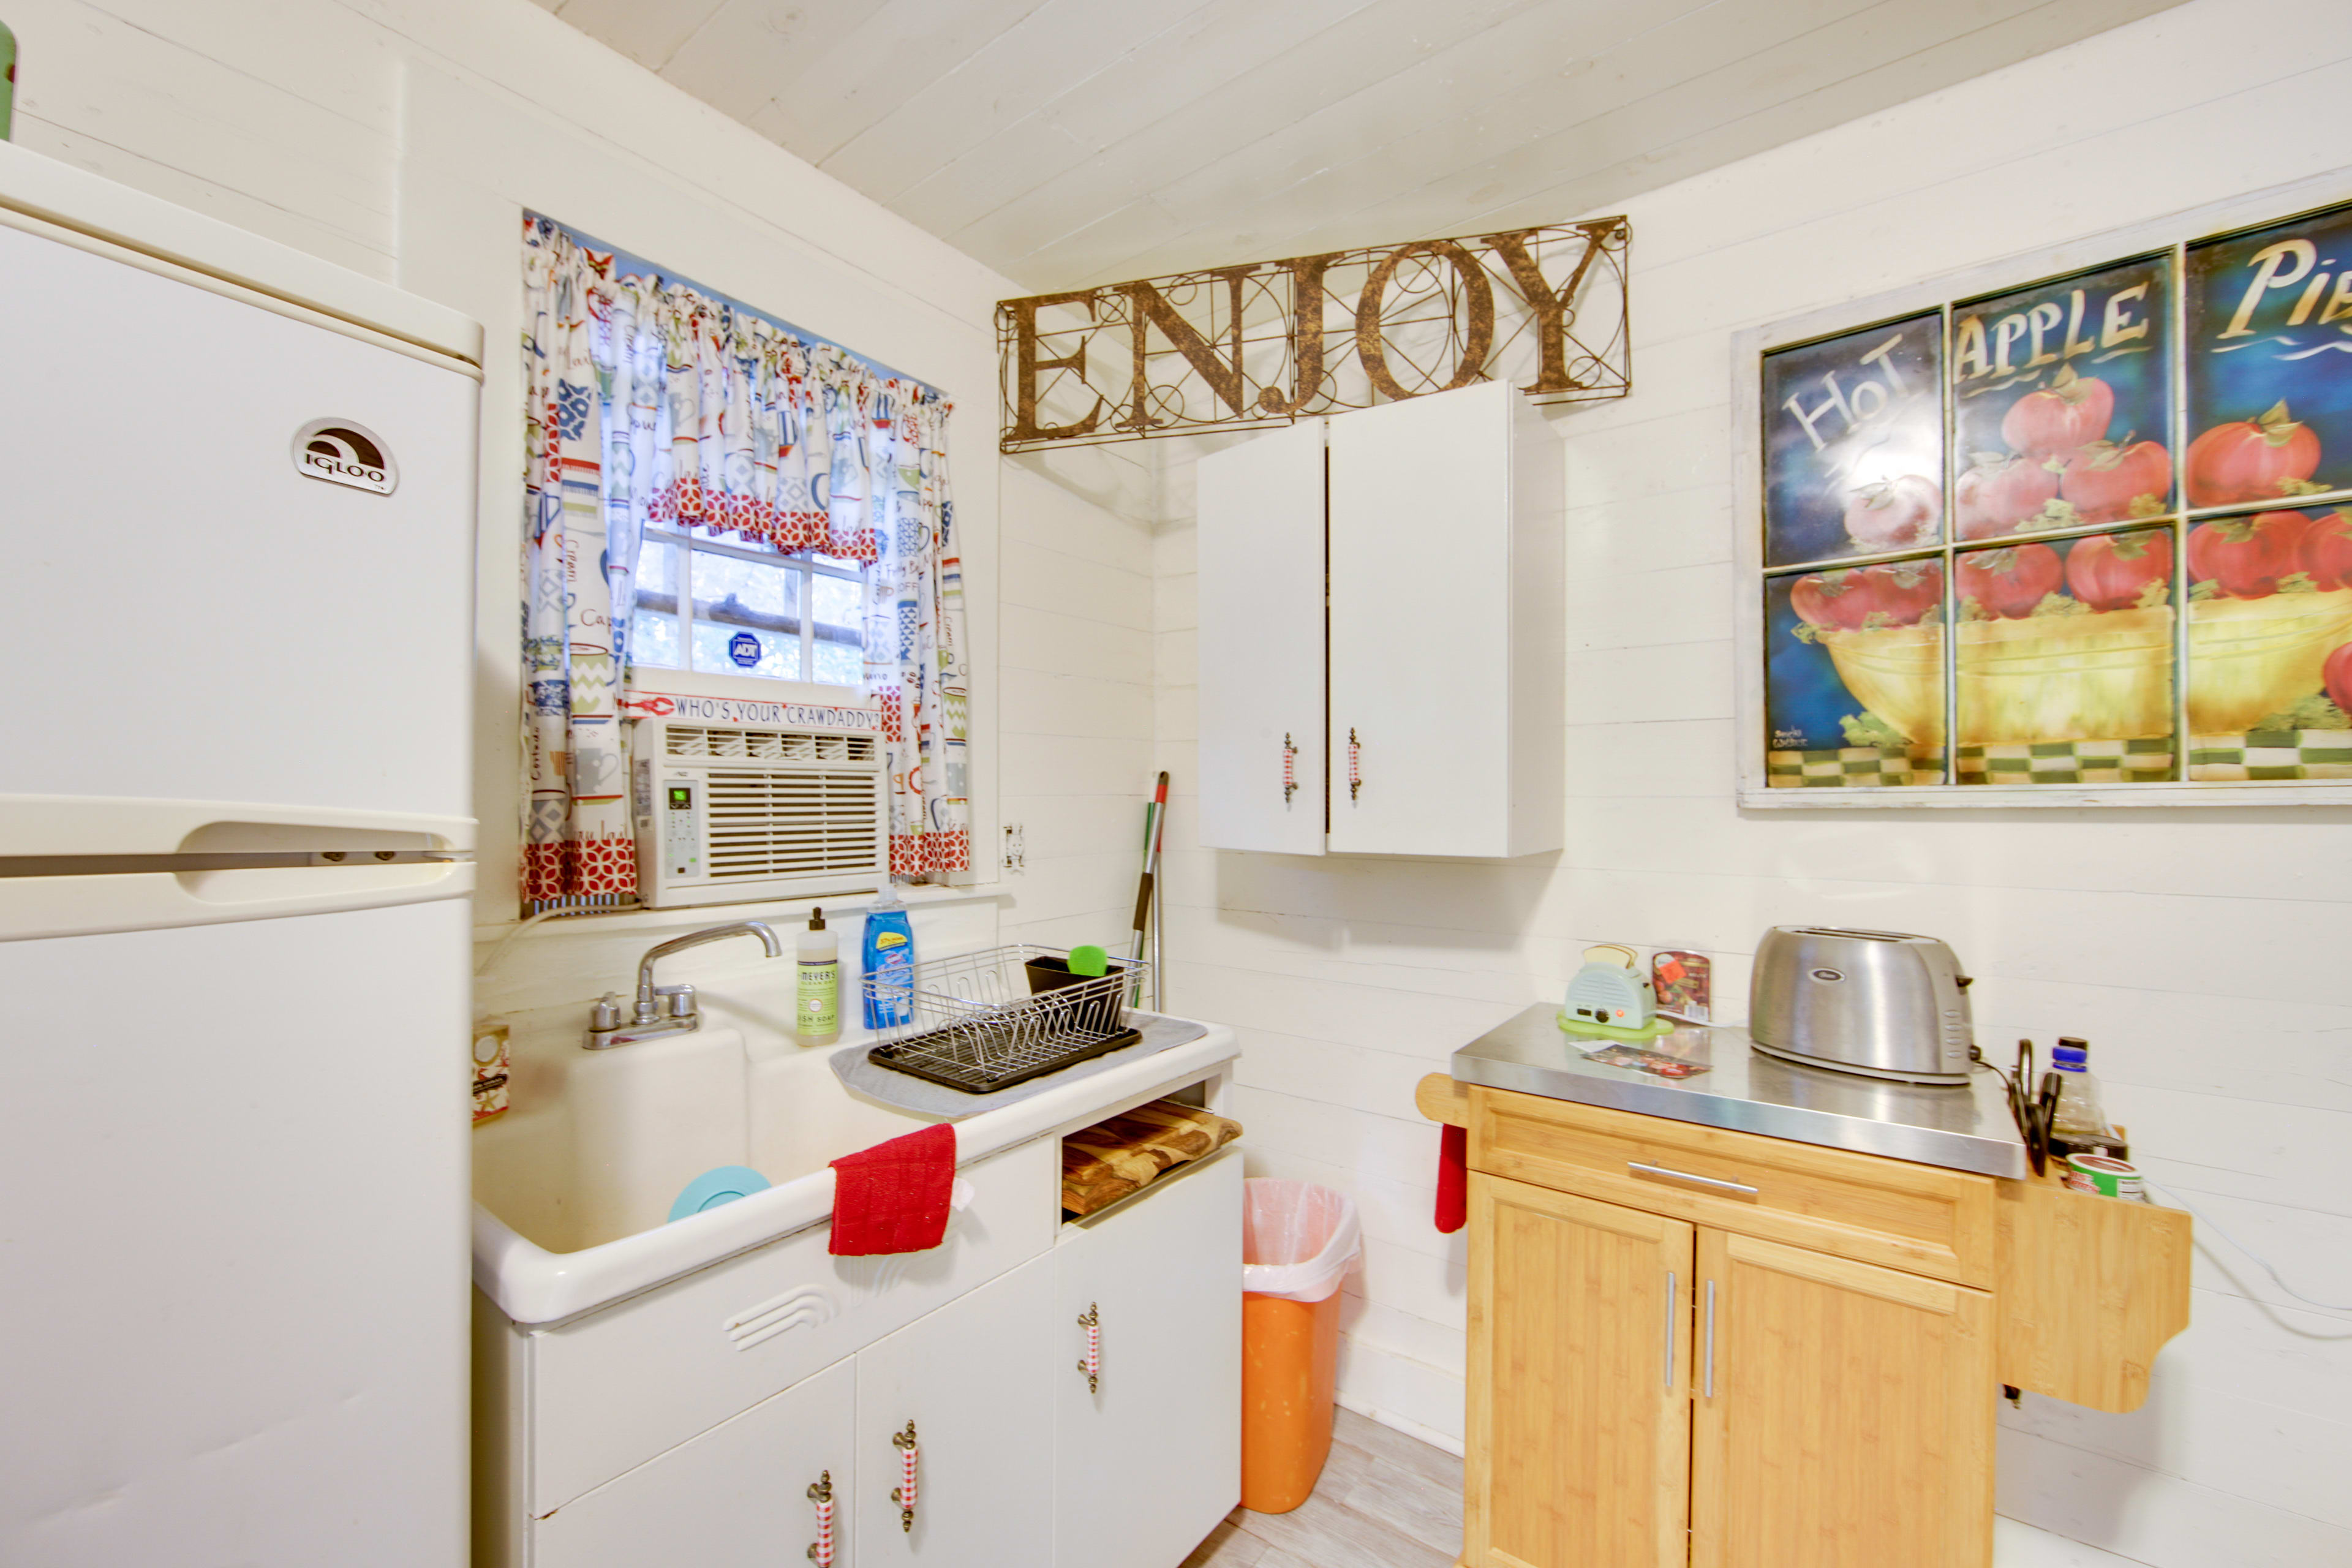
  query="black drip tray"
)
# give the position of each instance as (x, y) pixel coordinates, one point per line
(982, 1059)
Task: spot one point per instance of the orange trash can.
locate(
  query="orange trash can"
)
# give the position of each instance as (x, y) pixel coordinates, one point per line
(1299, 1242)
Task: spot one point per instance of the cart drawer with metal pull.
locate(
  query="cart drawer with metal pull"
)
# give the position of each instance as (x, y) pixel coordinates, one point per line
(1902, 1215)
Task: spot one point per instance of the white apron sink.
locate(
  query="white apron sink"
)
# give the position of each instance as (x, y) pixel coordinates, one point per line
(572, 1188)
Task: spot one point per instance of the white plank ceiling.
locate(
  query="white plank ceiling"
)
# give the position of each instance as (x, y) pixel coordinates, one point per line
(1069, 143)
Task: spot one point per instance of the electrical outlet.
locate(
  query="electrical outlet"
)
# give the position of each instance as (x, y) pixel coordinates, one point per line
(1016, 852)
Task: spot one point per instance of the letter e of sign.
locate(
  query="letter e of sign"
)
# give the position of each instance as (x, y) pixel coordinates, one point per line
(1028, 363)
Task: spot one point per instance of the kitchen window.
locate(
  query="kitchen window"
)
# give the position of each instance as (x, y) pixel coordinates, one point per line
(746, 611)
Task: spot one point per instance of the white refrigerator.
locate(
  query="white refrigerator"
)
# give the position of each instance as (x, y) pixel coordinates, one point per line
(236, 502)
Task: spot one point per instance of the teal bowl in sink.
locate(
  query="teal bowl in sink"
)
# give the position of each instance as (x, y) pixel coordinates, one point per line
(715, 1187)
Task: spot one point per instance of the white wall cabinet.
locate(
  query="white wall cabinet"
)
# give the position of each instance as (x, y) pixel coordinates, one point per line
(1261, 545)
(1434, 681)
(1149, 1459)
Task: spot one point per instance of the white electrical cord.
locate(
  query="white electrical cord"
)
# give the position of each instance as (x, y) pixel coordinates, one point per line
(2268, 1267)
(2203, 1217)
(497, 949)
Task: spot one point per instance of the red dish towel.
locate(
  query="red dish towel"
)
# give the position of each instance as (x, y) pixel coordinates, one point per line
(1453, 1178)
(894, 1197)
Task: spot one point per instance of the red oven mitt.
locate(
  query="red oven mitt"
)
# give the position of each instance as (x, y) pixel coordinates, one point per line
(1453, 1178)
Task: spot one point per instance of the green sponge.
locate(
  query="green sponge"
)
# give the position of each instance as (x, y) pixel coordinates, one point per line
(1089, 961)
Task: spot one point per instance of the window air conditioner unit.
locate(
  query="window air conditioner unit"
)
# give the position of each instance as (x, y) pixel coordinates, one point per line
(742, 799)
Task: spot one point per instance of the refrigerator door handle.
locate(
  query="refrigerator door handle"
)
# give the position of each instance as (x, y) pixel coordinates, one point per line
(53, 826)
(34, 907)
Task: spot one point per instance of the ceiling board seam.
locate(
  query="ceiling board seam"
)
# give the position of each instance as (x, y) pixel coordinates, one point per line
(1194, 6)
(699, 28)
(1044, 109)
(913, 91)
(2175, 106)
(1272, 66)
(1334, 106)
(1330, 231)
(1275, 200)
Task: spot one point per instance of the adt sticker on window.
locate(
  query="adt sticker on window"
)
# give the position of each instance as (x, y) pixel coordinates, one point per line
(744, 649)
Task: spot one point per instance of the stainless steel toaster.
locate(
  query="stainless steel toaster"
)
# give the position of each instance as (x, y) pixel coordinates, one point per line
(1881, 1002)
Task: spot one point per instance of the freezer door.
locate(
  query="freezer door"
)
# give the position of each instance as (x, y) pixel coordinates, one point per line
(192, 619)
(233, 1243)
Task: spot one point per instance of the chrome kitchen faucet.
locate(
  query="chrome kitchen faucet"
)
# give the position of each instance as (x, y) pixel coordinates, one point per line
(682, 1016)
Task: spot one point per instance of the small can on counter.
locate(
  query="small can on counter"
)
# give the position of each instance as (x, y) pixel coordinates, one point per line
(2110, 1178)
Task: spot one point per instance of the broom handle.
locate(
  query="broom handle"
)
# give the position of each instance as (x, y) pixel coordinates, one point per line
(1155, 817)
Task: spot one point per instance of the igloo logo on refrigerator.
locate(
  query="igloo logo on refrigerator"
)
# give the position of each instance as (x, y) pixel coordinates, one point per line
(344, 453)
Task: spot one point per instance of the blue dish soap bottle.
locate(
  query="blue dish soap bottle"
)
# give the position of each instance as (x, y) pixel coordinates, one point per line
(889, 956)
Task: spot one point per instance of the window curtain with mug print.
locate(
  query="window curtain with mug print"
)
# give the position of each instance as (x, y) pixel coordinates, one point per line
(651, 400)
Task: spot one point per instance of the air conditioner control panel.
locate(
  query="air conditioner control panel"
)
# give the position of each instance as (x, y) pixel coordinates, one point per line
(681, 827)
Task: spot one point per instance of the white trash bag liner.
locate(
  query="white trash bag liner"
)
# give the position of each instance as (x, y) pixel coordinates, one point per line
(1298, 1240)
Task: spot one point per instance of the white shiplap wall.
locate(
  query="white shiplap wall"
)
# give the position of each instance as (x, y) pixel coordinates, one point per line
(2199, 951)
(403, 138)
(1076, 680)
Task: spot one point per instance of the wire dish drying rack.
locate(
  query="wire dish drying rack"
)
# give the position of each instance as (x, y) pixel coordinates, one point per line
(992, 1019)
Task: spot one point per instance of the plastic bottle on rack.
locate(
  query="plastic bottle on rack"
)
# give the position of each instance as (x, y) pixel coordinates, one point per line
(2079, 1125)
(816, 1003)
(889, 956)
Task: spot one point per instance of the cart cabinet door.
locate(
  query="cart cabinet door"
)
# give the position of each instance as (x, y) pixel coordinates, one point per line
(1446, 717)
(1845, 1413)
(1580, 1382)
(1260, 538)
(973, 1381)
(737, 1496)
(1148, 1452)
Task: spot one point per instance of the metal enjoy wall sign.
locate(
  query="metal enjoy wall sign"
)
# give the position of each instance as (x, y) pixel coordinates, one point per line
(1270, 341)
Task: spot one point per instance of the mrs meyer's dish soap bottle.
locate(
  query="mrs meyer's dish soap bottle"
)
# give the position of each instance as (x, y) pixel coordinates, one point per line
(816, 1003)
(889, 952)
(8, 79)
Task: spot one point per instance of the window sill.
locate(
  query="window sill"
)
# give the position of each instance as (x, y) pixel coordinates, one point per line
(1932, 797)
(774, 911)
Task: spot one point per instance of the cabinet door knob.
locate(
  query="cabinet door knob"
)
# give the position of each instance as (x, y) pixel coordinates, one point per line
(1090, 1363)
(903, 1494)
(820, 1493)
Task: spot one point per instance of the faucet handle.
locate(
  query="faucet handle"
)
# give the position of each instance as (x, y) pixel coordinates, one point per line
(605, 1013)
(681, 999)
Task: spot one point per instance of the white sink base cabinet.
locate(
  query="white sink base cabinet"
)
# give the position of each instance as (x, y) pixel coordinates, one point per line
(1018, 1462)
(736, 1496)
(1149, 1460)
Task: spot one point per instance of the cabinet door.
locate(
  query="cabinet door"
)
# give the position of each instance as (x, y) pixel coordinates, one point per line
(736, 1496)
(1580, 1382)
(1148, 1458)
(1260, 537)
(1421, 625)
(1844, 1413)
(974, 1379)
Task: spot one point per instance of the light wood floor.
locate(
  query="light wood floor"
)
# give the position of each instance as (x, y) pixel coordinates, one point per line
(1386, 1500)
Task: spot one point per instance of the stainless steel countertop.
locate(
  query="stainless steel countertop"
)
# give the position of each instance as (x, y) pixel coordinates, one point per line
(1961, 1127)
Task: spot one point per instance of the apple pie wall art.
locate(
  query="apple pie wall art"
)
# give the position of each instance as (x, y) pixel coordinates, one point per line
(2084, 531)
